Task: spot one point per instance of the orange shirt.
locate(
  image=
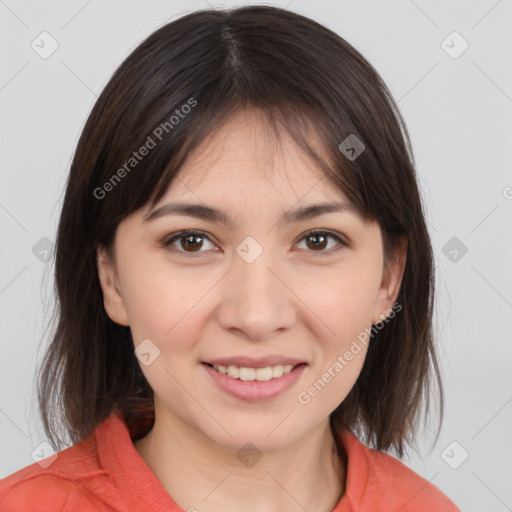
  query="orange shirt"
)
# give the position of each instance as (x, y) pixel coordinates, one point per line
(106, 473)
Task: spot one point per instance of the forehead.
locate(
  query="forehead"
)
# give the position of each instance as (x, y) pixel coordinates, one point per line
(245, 156)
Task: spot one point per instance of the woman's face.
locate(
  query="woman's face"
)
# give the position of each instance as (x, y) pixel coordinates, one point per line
(260, 291)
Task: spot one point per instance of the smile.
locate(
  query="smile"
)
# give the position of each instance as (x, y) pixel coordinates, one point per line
(259, 374)
(254, 383)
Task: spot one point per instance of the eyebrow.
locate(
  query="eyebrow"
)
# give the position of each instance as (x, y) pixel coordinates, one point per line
(218, 216)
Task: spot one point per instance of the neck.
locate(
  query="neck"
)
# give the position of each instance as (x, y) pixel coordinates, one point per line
(202, 475)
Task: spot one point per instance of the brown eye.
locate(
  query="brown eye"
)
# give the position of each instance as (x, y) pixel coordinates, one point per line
(191, 242)
(317, 241)
(186, 242)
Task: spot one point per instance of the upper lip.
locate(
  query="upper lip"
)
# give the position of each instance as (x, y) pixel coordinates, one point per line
(255, 362)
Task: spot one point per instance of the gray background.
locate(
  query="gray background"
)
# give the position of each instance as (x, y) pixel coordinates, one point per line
(458, 109)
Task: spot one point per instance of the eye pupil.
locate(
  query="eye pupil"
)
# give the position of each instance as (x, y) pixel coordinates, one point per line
(317, 245)
(193, 238)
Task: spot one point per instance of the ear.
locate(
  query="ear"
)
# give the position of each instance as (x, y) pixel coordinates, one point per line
(112, 298)
(391, 280)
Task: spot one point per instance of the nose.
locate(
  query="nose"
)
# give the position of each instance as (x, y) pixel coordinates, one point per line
(256, 300)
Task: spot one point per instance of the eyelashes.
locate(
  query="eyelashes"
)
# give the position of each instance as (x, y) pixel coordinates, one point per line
(185, 235)
(192, 238)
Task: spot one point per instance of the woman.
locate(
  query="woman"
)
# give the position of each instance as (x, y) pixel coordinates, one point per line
(245, 284)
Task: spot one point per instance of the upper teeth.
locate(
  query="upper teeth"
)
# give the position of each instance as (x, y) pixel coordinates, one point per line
(244, 373)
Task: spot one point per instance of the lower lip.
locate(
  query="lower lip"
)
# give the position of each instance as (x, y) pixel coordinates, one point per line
(255, 390)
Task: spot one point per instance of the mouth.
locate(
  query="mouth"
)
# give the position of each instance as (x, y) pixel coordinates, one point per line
(259, 380)
(249, 373)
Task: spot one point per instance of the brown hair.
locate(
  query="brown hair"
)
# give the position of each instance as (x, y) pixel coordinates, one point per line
(302, 76)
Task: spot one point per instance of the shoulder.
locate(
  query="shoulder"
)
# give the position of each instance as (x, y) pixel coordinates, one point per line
(380, 480)
(45, 492)
(58, 483)
(415, 493)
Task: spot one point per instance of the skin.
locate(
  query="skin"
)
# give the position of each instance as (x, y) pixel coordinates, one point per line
(290, 301)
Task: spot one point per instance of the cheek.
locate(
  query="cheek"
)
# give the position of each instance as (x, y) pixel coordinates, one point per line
(345, 309)
(344, 301)
(159, 300)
